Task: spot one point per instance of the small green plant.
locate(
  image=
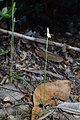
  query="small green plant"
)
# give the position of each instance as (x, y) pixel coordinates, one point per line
(3, 52)
(6, 12)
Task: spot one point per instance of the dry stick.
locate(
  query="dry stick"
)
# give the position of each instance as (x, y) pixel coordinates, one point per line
(41, 72)
(42, 41)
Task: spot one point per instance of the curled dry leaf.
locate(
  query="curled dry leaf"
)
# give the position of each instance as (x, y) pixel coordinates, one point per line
(44, 93)
(7, 99)
(23, 55)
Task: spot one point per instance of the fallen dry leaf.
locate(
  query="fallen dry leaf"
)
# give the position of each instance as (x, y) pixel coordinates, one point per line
(71, 107)
(43, 94)
(10, 93)
(51, 56)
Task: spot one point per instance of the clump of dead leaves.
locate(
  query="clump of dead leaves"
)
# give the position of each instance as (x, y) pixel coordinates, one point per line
(43, 94)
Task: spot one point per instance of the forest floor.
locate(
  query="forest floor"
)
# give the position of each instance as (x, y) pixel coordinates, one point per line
(28, 71)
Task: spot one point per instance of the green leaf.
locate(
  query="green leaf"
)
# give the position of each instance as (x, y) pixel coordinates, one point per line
(7, 12)
(4, 10)
(3, 52)
(6, 16)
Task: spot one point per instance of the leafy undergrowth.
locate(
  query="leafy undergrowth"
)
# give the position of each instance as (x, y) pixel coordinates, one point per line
(28, 73)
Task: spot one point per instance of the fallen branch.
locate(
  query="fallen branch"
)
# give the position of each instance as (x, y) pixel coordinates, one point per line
(42, 41)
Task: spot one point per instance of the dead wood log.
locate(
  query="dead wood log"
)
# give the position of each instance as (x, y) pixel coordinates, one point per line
(39, 40)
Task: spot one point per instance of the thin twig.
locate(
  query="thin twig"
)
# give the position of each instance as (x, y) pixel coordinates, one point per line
(3, 80)
(46, 115)
(41, 72)
(42, 41)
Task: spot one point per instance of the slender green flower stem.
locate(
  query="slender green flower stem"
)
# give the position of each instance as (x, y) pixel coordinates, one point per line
(12, 43)
(46, 59)
(45, 67)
